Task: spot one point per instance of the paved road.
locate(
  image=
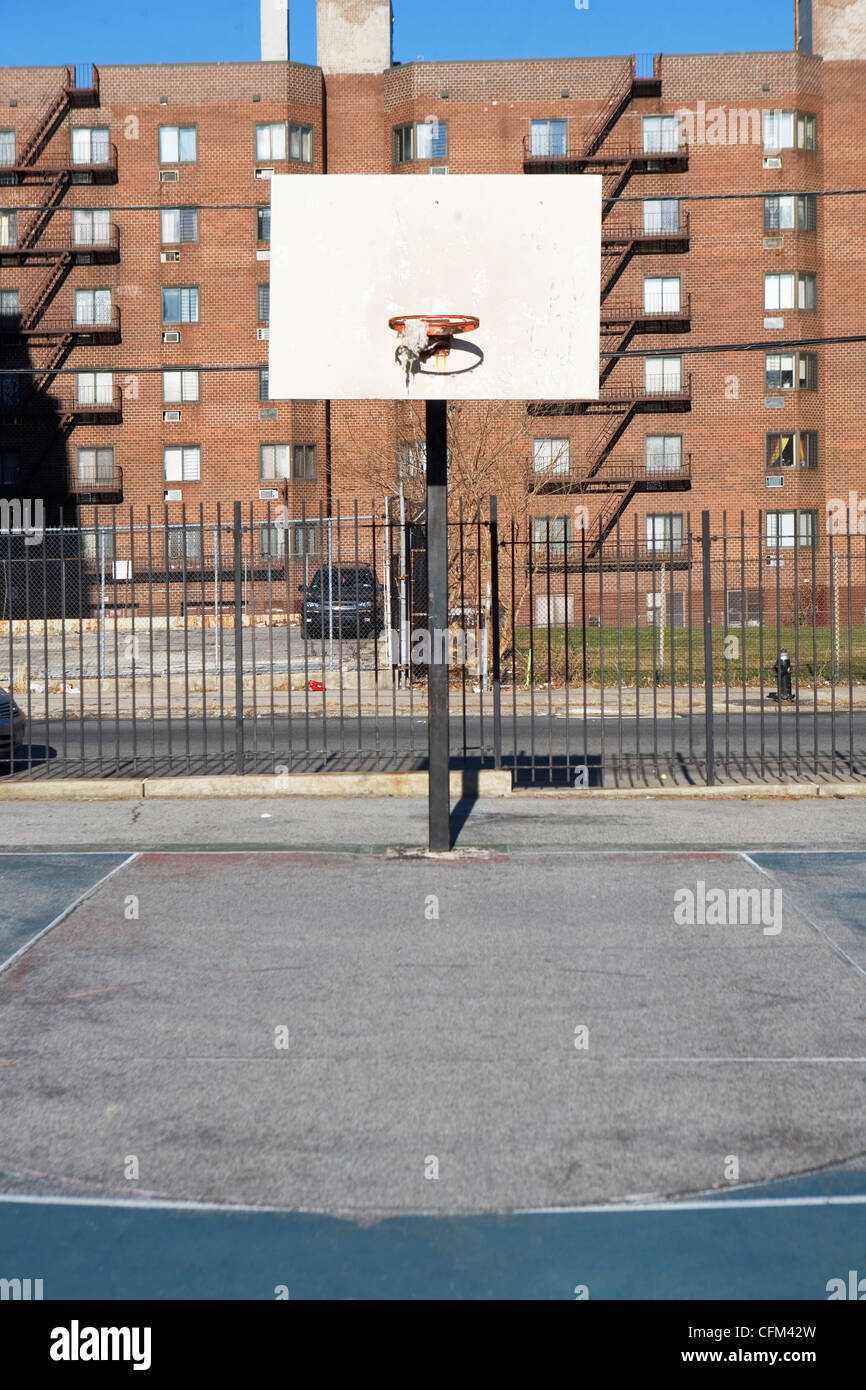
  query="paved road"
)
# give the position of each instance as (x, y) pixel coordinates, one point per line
(545, 751)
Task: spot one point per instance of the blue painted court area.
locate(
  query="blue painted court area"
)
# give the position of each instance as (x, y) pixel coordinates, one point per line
(36, 889)
(782, 1241)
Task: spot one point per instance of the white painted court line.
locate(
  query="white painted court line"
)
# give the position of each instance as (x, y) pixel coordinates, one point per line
(61, 917)
(834, 945)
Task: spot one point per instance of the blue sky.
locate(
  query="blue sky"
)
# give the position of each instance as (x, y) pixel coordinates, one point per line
(154, 31)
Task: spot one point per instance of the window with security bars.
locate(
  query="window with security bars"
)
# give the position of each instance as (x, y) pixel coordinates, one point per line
(178, 144)
(289, 539)
(95, 466)
(790, 211)
(263, 302)
(178, 225)
(263, 224)
(794, 449)
(97, 544)
(420, 140)
(787, 530)
(791, 371)
(182, 463)
(550, 535)
(743, 606)
(551, 455)
(179, 386)
(180, 305)
(548, 138)
(183, 545)
(664, 531)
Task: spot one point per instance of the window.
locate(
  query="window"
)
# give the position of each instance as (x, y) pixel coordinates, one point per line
(94, 388)
(661, 215)
(180, 305)
(789, 130)
(661, 295)
(8, 229)
(263, 384)
(271, 141)
(7, 148)
(180, 386)
(421, 140)
(558, 528)
(95, 466)
(663, 374)
(263, 224)
(10, 389)
(411, 459)
(10, 304)
(661, 134)
(178, 144)
(550, 455)
(785, 529)
(664, 453)
(182, 463)
(179, 224)
(97, 544)
(548, 137)
(91, 226)
(292, 538)
(301, 143)
(791, 371)
(274, 461)
(90, 145)
(263, 294)
(797, 449)
(790, 211)
(790, 291)
(93, 306)
(184, 544)
(297, 461)
(10, 467)
(664, 531)
(272, 541)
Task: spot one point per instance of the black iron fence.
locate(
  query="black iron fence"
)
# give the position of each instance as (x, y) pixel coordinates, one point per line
(146, 645)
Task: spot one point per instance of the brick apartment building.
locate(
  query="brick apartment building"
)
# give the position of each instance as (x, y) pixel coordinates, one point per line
(134, 250)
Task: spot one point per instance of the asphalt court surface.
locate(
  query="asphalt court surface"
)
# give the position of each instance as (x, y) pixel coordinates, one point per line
(411, 1037)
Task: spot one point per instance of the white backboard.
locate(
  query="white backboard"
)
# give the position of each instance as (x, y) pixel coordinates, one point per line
(521, 253)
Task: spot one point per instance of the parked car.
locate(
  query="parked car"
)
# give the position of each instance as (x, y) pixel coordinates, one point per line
(13, 725)
(349, 597)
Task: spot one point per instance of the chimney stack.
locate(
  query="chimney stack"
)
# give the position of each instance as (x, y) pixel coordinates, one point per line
(353, 36)
(274, 30)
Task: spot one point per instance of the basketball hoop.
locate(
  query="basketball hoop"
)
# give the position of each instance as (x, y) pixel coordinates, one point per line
(423, 336)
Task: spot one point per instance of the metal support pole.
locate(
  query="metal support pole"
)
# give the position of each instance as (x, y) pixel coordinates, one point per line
(237, 533)
(437, 610)
(708, 646)
(495, 634)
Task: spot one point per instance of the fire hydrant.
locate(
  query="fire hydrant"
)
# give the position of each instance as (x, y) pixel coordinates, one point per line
(782, 667)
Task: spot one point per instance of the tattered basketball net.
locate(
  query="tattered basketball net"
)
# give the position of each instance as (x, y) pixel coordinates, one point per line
(423, 336)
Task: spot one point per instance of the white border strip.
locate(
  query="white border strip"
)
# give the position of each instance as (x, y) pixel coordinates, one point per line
(82, 898)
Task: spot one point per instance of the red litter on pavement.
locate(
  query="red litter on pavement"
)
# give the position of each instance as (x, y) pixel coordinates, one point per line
(316, 685)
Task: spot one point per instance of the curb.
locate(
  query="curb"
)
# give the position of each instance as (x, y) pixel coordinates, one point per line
(485, 782)
(790, 791)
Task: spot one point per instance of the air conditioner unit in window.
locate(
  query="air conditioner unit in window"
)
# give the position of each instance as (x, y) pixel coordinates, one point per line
(169, 257)
(172, 337)
(83, 260)
(80, 177)
(772, 162)
(773, 243)
(269, 494)
(439, 169)
(268, 413)
(264, 173)
(263, 255)
(171, 417)
(775, 480)
(173, 494)
(262, 334)
(169, 175)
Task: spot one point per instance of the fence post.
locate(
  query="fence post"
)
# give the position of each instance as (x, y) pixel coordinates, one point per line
(494, 633)
(237, 536)
(708, 646)
(437, 620)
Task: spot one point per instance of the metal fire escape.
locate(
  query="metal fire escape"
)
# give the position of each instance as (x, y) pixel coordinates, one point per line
(49, 238)
(618, 480)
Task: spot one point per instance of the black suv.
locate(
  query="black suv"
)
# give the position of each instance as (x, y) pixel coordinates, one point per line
(349, 598)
